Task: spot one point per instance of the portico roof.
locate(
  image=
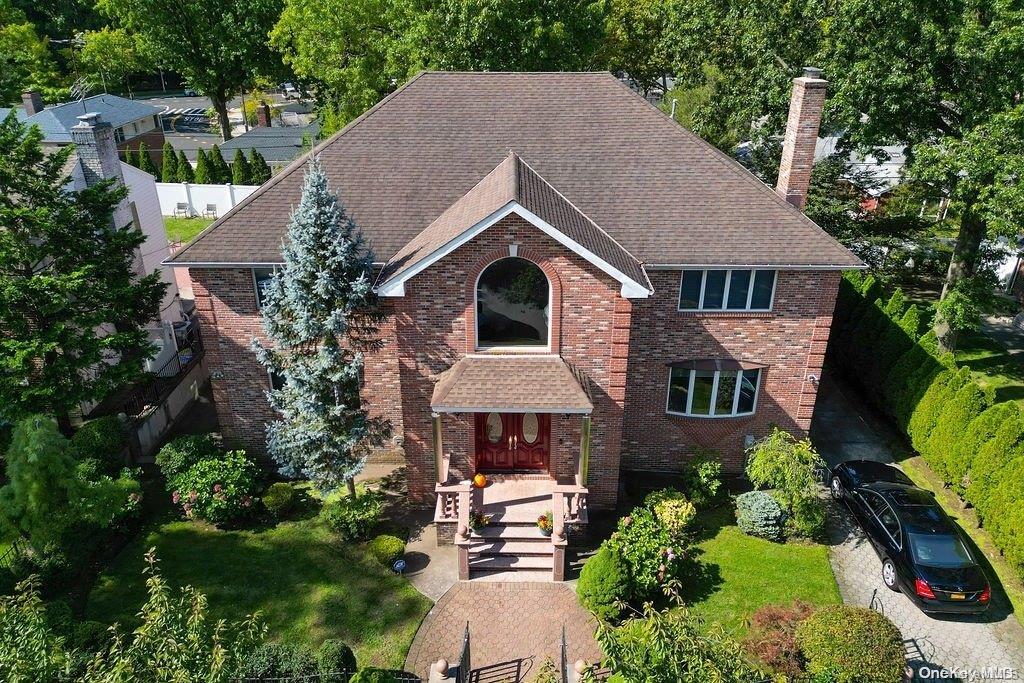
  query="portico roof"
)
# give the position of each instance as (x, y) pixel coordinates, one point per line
(511, 384)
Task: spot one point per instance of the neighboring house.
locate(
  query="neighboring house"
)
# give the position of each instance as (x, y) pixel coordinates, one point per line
(133, 122)
(279, 145)
(873, 177)
(571, 291)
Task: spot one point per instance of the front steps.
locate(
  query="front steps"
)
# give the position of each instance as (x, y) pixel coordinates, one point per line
(511, 550)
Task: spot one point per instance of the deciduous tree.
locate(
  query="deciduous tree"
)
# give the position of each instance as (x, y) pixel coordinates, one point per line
(320, 314)
(73, 309)
(26, 62)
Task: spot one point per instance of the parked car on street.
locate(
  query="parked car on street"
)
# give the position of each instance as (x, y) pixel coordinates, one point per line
(290, 92)
(923, 552)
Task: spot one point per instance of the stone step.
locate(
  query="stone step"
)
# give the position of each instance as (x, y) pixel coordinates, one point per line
(528, 575)
(511, 531)
(517, 516)
(510, 562)
(500, 546)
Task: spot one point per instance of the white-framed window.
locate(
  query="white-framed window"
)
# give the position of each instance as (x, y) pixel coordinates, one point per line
(739, 289)
(119, 134)
(260, 278)
(708, 390)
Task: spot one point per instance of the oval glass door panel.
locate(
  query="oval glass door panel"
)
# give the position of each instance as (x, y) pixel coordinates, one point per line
(494, 427)
(531, 427)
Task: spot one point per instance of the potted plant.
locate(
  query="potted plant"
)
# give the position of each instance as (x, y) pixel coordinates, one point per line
(546, 523)
(478, 520)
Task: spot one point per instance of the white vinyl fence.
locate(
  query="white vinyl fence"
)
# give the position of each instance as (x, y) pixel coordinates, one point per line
(211, 200)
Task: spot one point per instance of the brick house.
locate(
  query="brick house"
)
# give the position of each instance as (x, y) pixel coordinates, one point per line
(576, 285)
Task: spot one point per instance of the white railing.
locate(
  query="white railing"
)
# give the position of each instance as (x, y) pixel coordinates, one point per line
(210, 200)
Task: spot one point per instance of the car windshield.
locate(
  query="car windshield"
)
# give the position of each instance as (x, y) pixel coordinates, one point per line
(935, 550)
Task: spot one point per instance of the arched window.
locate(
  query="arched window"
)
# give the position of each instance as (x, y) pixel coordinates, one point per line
(513, 305)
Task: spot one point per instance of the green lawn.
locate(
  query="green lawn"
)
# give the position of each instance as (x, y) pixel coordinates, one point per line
(184, 229)
(992, 366)
(741, 573)
(307, 585)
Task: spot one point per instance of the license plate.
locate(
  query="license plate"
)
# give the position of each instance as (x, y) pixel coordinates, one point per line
(957, 596)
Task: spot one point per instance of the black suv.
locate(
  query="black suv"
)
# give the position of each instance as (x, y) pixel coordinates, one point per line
(922, 551)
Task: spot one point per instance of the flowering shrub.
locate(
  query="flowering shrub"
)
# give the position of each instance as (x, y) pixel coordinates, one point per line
(179, 455)
(219, 490)
(671, 508)
(651, 554)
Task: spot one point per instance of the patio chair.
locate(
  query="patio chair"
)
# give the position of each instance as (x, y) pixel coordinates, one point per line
(181, 210)
(210, 211)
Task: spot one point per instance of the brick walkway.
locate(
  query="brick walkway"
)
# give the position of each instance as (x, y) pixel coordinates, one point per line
(996, 639)
(513, 627)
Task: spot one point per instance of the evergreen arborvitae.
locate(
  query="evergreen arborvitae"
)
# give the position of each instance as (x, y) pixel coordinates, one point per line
(202, 174)
(240, 172)
(320, 314)
(70, 299)
(146, 163)
(219, 170)
(169, 171)
(259, 171)
(131, 158)
(185, 174)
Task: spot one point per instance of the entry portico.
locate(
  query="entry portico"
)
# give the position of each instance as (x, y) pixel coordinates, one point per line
(512, 398)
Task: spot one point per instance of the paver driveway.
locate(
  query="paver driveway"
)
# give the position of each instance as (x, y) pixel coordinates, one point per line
(950, 643)
(513, 627)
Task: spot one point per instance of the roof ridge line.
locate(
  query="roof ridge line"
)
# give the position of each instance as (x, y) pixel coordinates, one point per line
(296, 164)
(735, 167)
(584, 214)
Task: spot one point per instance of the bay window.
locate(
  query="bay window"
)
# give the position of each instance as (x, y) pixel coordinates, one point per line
(713, 388)
(726, 290)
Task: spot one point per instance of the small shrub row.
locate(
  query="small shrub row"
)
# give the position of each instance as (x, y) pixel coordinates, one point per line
(974, 444)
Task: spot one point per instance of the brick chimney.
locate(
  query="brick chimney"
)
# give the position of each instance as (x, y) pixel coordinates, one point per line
(263, 115)
(97, 152)
(32, 101)
(805, 106)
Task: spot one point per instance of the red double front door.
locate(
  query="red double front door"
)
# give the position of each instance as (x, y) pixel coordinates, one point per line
(512, 441)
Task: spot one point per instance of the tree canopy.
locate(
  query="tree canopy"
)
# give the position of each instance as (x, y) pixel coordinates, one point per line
(70, 297)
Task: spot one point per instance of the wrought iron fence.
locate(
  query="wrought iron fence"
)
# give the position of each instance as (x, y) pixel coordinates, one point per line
(335, 677)
(565, 658)
(163, 380)
(7, 558)
(465, 666)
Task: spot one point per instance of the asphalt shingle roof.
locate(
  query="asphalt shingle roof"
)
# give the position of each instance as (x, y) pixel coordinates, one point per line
(666, 196)
(513, 181)
(512, 383)
(277, 144)
(56, 120)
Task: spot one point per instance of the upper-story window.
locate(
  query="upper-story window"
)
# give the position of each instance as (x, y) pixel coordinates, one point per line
(119, 134)
(713, 389)
(727, 290)
(261, 278)
(513, 305)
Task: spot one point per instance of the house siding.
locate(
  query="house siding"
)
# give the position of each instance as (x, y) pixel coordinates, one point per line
(790, 340)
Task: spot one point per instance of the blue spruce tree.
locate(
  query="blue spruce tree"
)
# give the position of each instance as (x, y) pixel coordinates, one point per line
(320, 315)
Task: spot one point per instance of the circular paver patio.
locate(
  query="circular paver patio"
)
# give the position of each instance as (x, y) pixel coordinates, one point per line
(513, 627)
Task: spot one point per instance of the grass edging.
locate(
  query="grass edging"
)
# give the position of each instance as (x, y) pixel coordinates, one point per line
(923, 476)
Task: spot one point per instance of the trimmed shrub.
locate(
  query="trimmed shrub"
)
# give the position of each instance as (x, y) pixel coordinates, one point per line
(177, 456)
(279, 660)
(604, 580)
(671, 508)
(220, 490)
(103, 440)
(386, 549)
(372, 675)
(926, 412)
(355, 519)
(1005, 518)
(702, 477)
(896, 339)
(648, 550)
(979, 432)
(772, 637)
(759, 514)
(900, 387)
(279, 499)
(335, 657)
(1001, 449)
(853, 644)
(956, 415)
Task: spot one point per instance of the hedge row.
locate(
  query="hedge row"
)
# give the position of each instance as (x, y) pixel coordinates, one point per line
(973, 443)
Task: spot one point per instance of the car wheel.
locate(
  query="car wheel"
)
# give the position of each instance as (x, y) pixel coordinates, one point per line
(836, 488)
(889, 575)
